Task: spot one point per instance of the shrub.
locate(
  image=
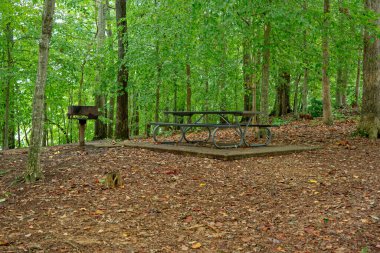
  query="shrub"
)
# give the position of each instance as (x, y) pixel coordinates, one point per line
(316, 107)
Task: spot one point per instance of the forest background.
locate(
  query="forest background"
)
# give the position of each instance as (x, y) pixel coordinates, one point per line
(270, 56)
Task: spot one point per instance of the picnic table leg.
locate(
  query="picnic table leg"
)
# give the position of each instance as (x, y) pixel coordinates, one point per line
(155, 133)
(268, 138)
(82, 129)
(185, 129)
(241, 142)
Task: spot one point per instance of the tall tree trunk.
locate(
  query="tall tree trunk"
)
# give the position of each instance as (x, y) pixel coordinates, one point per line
(45, 132)
(295, 103)
(188, 86)
(327, 114)
(248, 73)
(282, 104)
(100, 127)
(338, 87)
(7, 128)
(175, 106)
(305, 82)
(33, 170)
(357, 82)
(370, 116)
(18, 135)
(111, 107)
(158, 64)
(122, 129)
(159, 84)
(264, 107)
(81, 81)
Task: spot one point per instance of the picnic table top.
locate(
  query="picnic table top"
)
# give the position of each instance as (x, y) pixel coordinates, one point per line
(190, 113)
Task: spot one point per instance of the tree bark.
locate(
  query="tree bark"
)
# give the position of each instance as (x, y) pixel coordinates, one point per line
(357, 82)
(122, 129)
(264, 107)
(370, 115)
(296, 103)
(7, 114)
(327, 114)
(305, 82)
(111, 107)
(248, 74)
(100, 127)
(33, 170)
(188, 87)
(282, 104)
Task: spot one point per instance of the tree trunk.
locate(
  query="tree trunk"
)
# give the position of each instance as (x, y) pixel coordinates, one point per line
(81, 81)
(264, 107)
(33, 170)
(327, 114)
(122, 129)
(357, 82)
(370, 116)
(305, 83)
(248, 73)
(45, 132)
(159, 81)
(282, 104)
(100, 127)
(338, 88)
(188, 87)
(295, 103)
(111, 107)
(7, 133)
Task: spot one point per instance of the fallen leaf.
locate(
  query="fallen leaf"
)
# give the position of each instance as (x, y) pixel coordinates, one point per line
(196, 245)
(202, 184)
(98, 212)
(170, 172)
(313, 181)
(188, 218)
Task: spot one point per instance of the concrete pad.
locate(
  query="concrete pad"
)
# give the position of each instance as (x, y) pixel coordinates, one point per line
(221, 154)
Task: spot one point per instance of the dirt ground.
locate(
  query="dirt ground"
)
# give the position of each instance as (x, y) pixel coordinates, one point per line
(326, 200)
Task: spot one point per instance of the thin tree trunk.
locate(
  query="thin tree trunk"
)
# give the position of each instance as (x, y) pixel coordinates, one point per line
(282, 103)
(370, 116)
(18, 135)
(175, 94)
(295, 103)
(51, 136)
(26, 136)
(248, 73)
(264, 107)
(357, 83)
(6, 127)
(122, 129)
(188, 87)
(100, 127)
(338, 88)
(81, 81)
(111, 107)
(33, 170)
(158, 87)
(305, 82)
(327, 114)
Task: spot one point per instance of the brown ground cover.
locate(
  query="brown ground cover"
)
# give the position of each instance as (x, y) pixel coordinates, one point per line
(326, 200)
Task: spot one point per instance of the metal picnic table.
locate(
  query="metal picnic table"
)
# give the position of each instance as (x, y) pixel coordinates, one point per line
(242, 121)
